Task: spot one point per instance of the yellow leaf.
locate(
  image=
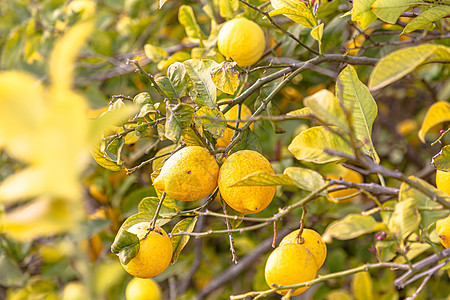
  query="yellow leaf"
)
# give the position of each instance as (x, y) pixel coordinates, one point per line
(317, 34)
(41, 217)
(401, 62)
(438, 113)
(362, 14)
(362, 286)
(62, 59)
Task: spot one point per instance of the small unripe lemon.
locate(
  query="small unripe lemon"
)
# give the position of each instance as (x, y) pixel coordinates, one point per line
(241, 40)
(347, 175)
(311, 241)
(443, 181)
(232, 115)
(245, 199)
(155, 252)
(189, 174)
(290, 264)
(142, 289)
(443, 231)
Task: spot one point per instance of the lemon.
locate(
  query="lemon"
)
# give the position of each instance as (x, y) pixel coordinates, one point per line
(443, 181)
(443, 231)
(189, 174)
(347, 175)
(290, 264)
(232, 115)
(311, 241)
(142, 289)
(245, 199)
(155, 252)
(241, 40)
(75, 291)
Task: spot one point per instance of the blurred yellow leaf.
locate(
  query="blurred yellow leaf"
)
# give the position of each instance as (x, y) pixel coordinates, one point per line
(362, 286)
(47, 128)
(438, 113)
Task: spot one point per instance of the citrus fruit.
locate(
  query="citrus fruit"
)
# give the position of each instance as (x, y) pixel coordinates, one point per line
(241, 40)
(290, 264)
(443, 231)
(245, 199)
(189, 174)
(142, 289)
(232, 115)
(75, 291)
(155, 251)
(311, 241)
(348, 175)
(443, 181)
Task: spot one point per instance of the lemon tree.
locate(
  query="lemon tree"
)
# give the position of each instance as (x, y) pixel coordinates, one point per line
(185, 140)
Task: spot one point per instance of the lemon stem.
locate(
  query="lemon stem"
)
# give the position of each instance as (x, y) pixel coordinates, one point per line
(300, 239)
(158, 208)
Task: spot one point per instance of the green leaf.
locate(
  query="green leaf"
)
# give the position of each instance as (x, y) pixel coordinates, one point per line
(351, 226)
(317, 34)
(178, 117)
(11, 275)
(202, 118)
(405, 219)
(332, 34)
(190, 138)
(104, 161)
(295, 10)
(442, 160)
(423, 201)
(362, 13)
(249, 141)
(339, 295)
(362, 286)
(149, 205)
(186, 18)
(414, 250)
(325, 107)
(401, 62)
(126, 245)
(261, 178)
(310, 144)
(227, 8)
(225, 77)
(180, 241)
(390, 10)
(426, 18)
(364, 109)
(203, 92)
(177, 75)
(167, 86)
(438, 113)
(155, 53)
(306, 179)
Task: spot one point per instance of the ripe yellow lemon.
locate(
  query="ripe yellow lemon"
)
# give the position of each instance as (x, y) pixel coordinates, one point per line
(311, 241)
(347, 175)
(189, 174)
(290, 264)
(155, 252)
(245, 199)
(142, 289)
(241, 40)
(232, 115)
(443, 231)
(443, 181)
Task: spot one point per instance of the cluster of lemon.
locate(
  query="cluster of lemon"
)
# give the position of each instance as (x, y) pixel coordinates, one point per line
(297, 259)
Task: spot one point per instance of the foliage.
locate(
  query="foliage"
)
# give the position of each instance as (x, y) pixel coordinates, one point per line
(363, 84)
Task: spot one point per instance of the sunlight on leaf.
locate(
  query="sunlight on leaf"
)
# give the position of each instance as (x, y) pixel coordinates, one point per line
(426, 18)
(317, 34)
(180, 241)
(295, 10)
(325, 107)
(390, 10)
(401, 62)
(351, 226)
(405, 219)
(442, 160)
(438, 113)
(362, 13)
